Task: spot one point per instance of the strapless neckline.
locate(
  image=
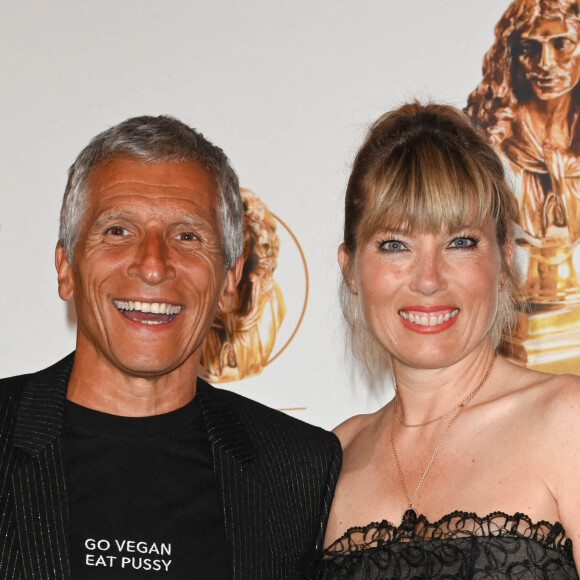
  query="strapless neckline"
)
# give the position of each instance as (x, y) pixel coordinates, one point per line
(457, 524)
(460, 545)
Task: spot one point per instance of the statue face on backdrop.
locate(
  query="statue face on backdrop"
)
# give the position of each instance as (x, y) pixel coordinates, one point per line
(529, 106)
(549, 56)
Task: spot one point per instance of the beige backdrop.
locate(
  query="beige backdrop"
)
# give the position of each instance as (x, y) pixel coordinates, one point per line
(286, 88)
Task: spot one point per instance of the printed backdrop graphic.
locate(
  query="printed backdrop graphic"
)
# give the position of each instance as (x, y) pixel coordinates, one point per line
(528, 104)
(288, 90)
(241, 343)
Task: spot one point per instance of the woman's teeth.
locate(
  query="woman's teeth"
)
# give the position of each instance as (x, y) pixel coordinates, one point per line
(425, 319)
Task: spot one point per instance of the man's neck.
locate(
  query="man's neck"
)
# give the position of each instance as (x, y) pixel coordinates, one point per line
(97, 384)
(552, 120)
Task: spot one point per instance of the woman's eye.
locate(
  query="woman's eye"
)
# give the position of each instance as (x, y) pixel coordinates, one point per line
(187, 236)
(391, 246)
(463, 242)
(117, 231)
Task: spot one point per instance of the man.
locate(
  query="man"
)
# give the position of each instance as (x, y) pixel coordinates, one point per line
(116, 462)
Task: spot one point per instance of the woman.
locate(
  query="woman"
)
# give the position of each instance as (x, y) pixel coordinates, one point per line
(473, 469)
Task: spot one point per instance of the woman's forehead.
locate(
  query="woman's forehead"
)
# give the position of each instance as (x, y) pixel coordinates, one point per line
(454, 216)
(406, 228)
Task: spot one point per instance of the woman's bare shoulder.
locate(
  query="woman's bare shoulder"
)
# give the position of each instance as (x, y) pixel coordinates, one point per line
(551, 398)
(560, 398)
(351, 429)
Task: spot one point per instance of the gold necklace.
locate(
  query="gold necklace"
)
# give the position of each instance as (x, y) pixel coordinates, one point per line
(410, 514)
(425, 423)
(461, 403)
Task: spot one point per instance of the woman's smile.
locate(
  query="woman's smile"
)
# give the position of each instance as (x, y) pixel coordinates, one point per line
(428, 319)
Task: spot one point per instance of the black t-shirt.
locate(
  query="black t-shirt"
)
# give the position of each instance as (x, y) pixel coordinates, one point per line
(142, 496)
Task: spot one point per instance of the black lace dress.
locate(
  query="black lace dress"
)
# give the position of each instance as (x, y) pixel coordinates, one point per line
(459, 545)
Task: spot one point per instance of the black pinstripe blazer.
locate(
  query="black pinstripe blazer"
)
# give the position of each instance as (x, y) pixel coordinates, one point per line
(275, 474)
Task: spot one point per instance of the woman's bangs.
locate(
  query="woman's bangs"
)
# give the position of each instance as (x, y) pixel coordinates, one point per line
(429, 190)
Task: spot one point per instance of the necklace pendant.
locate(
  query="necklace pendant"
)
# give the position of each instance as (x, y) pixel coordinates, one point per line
(409, 517)
(408, 523)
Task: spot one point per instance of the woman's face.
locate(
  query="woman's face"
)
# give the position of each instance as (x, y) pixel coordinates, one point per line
(429, 299)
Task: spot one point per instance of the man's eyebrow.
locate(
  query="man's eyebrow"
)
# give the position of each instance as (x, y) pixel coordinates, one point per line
(194, 220)
(113, 215)
(566, 34)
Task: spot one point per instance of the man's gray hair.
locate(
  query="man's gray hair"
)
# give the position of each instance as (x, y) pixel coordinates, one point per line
(154, 140)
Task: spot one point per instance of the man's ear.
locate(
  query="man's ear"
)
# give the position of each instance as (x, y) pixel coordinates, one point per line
(345, 262)
(227, 299)
(64, 273)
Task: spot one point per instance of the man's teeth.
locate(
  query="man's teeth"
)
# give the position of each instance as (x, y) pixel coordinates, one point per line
(152, 307)
(428, 319)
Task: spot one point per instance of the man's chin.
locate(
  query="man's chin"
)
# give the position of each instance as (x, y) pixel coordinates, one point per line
(148, 367)
(550, 93)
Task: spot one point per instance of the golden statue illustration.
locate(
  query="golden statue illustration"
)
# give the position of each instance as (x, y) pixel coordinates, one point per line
(240, 342)
(528, 103)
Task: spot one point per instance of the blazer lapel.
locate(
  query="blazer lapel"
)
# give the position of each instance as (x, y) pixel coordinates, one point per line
(38, 482)
(244, 502)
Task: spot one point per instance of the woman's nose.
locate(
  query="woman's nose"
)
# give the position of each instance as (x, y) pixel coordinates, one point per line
(428, 277)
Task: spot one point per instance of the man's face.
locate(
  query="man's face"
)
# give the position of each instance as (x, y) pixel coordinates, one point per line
(549, 55)
(149, 270)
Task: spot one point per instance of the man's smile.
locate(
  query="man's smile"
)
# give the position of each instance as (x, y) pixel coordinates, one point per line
(148, 312)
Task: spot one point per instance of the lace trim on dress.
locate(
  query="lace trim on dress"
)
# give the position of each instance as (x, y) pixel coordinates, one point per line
(457, 524)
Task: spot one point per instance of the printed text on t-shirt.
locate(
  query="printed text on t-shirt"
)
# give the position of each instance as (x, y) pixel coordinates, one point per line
(138, 555)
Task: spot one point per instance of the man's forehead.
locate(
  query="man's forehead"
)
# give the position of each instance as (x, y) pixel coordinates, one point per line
(123, 187)
(546, 28)
(166, 178)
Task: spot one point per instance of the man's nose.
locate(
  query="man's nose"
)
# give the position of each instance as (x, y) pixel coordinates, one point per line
(152, 262)
(547, 56)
